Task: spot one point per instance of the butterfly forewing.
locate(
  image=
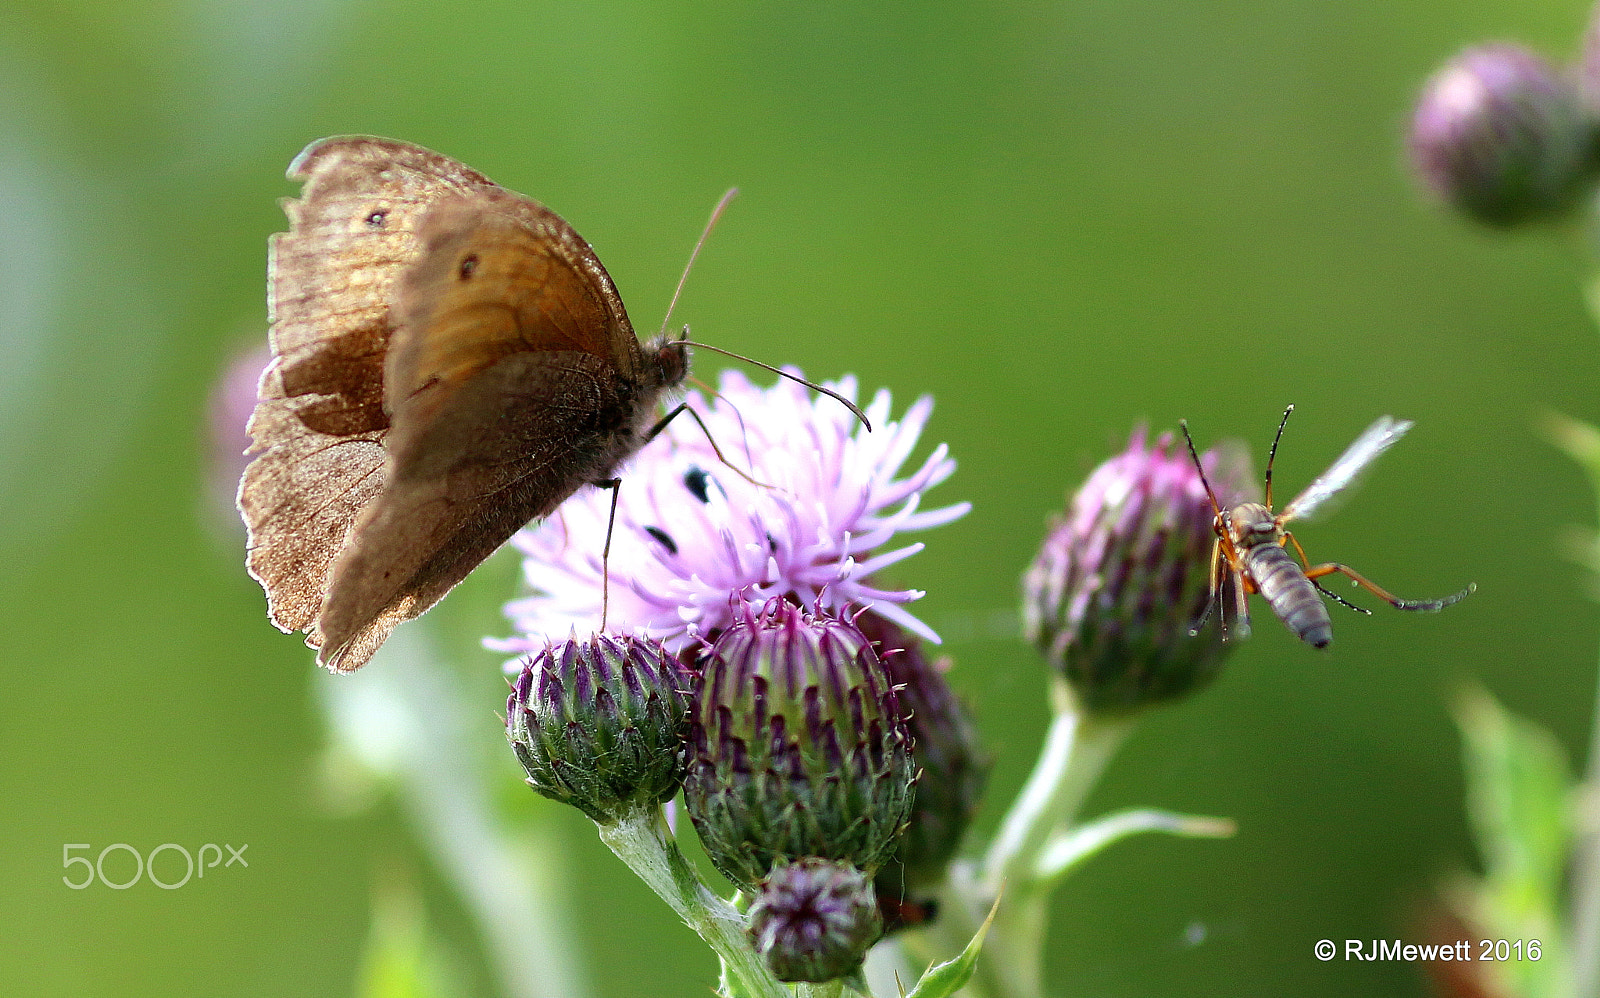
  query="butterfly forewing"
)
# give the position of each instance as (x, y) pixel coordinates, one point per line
(351, 233)
(500, 275)
(1346, 471)
(499, 326)
(320, 420)
(451, 361)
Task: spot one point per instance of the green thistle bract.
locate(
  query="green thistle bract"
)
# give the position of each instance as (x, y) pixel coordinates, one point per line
(797, 747)
(598, 724)
(813, 920)
(945, 752)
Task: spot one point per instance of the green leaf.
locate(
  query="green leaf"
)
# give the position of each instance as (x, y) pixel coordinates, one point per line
(1071, 847)
(1519, 795)
(1580, 440)
(1519, 799)
(945, 979)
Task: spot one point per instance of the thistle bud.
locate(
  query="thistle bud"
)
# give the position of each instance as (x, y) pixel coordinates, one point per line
(598, 724)
(813, 920)
(945, 752)
(1503, 136)
(796, 747)
(1588, 69)
(1122, 579)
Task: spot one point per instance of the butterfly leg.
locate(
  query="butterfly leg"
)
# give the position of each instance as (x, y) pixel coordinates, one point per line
(615, 485)
(661, 424)
(683, 407)
(1424, 605)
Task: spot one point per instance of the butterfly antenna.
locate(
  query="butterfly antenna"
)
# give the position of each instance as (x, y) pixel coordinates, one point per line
(783, 374)
(716, 213)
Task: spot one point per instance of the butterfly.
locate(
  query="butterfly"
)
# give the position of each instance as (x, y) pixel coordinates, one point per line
(449, 361)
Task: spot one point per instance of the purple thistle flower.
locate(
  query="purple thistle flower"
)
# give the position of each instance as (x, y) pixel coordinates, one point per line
(694, 540)
(1121, 580)
(1503, 135)
(954, 769)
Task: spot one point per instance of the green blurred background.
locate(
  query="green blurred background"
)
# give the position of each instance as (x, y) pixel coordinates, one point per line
(1059, 219)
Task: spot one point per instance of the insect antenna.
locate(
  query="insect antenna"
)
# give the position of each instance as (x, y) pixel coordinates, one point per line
(716, 214)
(1273, 453)
(1213, 601)
(1216, 507)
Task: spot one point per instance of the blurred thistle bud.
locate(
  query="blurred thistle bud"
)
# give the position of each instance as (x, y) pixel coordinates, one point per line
(813, 920)
(1122, 579)
(1503, 136)
(598, 723)
(945, 751)
(796, 747)
(1588, 69)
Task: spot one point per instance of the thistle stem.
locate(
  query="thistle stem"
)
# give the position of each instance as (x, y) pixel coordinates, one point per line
(1582, 444)
(1585, 919)
(641, 840)
(1076, 750)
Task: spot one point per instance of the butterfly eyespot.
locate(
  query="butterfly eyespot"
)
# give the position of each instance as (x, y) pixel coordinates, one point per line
(469, 265)
(375, 218)
(664, 537)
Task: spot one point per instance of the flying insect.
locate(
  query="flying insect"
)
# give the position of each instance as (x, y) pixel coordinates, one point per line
(1250, 549)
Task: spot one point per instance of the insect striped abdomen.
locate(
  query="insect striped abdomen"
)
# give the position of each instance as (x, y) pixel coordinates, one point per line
(1290, 594)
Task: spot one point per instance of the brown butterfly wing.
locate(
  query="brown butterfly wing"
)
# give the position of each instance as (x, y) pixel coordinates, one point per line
(320, 422)
(513, 378)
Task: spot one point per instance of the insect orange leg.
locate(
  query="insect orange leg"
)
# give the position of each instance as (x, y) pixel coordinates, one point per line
(1424, 605)
(1243, 586)
(1213, 592)
(1225, 565)
(1288, 537)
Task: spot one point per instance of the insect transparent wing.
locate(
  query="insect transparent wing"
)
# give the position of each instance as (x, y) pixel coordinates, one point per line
(1379, 437)
(1228, 468)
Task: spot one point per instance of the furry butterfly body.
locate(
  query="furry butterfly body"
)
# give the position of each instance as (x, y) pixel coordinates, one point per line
(450, 361)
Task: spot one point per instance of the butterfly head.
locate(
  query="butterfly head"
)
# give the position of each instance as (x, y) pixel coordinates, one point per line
(667, 360)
